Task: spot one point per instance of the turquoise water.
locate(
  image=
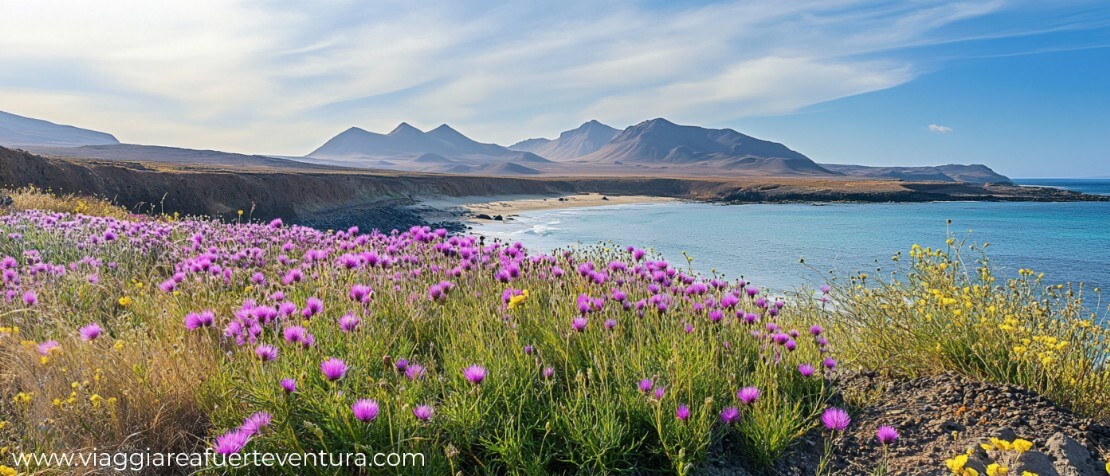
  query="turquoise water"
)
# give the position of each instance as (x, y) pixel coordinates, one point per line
(764, 243)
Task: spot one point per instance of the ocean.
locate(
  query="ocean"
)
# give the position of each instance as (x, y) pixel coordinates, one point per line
(764, 243)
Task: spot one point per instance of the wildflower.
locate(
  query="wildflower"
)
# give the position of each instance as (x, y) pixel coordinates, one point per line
(956, 463)
(475, 374)
(1022, 446)
(610, 324)
(195, 320)
(886, 435)
(46, 348)
(829, 363)
(659, 392)
(365, 410)
(401, 365)
(414, 371)
(294, 334)
(548, 372)
(231, 442)
(806, 370)
(645, 385)
(995, 469)
(579, 324)
(360, 293)
(835, 419)
(23, 398)
(518, 299)
(682, 412)
(816, 330)
(333, 369)
(90, 332)
(348, 322)
(748, 395)
(266, 352)
(30, 298)
(312, 307)
(423, 412)
(289, 385)
(255, 423)
(730, 415)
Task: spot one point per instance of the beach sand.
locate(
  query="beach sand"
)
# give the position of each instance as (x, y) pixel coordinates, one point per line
(508, 205)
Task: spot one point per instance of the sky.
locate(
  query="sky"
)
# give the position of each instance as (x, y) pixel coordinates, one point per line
(1020, 85)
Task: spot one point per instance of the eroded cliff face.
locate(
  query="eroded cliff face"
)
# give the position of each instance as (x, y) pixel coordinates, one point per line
(341, 198)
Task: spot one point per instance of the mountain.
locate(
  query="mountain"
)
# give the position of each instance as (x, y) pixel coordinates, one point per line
(584, 140)
(975, 173)
(660, 142)
(404, 141)
(19, 131)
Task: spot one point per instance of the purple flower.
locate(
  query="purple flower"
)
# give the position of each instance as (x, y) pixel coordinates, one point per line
(829, 363)
(294, 334)
(30, 298)
(47, 347)
(659, 392)
(748, 395)
(333, 369)
(195, 321)
(312, 307)
(579, 324)
(231, 442)
(790, 345)
(401, 364)
(475, 374)
(90, 331)
(886, 435)
(806, 370)
(682, 412)
(365, 410)
(423, 412)
(816, 330)
(835, 419)
(645, 385)
(548, 372)
(289, 385)
(348, 322)
(360, 293)
(266, 352)
(255, 423)
(730, 415)
(414, 371)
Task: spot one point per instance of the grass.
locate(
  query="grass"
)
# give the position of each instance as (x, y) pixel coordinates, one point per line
(945, 311)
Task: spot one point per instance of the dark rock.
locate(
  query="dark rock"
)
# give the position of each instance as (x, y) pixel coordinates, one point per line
(1072, 458)
(1035, 462)
(483, 216)
(499, 218)
(6, 201)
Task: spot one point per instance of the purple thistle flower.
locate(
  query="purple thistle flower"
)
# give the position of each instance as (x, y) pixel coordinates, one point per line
(30, 298)
(682, 412)
(645, 385)
(348, 322)
(90, 331)
(289, 385)
(529, 350)
(790, 345)
(659, 392)
(195, 320)
(231, 442)
(365, 410)
(360, 293)
(748, 395)
(548, 372)
(730, 415)
(423, 412)
(255, 423)
(414, 371)
(835, 419)
(312, 307)
(333, 369)
(579, 324)
(816, 330)
(294, 334)
(806, 370)
(886, 435)
(829, 363)
(47, 347)
(475, 374)
(266, 352)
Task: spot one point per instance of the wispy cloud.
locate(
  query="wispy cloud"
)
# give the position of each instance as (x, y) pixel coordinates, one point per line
(939, 129)
(280, 76)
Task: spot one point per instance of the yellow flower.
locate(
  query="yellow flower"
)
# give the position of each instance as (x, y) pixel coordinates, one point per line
(1022, 446)
(6, 471)
(957, 463)
(518, 299)
(3, 424)
(125, 301)
(994, 469)
(240, 212)
(1001, 444)
(23, 398)
(95, 400)
(118, 345)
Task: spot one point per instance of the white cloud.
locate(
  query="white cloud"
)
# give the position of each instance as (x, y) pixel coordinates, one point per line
(939, 129)
(276, 76)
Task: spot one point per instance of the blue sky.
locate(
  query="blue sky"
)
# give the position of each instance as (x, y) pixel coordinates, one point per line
(1023, 86)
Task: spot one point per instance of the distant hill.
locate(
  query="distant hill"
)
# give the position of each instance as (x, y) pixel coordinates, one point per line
(406, 140)
(975, 173)
(661, 142)
(19, 131)
(572, 144)
(171, 155)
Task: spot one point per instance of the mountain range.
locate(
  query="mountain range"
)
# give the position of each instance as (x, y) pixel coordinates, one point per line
(655, 147)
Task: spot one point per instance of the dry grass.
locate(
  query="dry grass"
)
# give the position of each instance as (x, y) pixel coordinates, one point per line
(34, 198)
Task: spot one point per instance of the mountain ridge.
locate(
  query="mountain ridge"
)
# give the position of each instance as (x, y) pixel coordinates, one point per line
(21, 131)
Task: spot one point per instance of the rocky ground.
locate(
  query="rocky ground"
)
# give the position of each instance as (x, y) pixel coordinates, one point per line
(938, 418)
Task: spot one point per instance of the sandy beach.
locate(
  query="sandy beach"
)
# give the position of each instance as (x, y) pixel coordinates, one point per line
(509, 205)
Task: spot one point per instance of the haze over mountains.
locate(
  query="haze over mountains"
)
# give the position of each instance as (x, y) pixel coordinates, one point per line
(655, 147)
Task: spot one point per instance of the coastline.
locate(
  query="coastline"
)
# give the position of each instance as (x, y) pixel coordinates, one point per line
(490, 207)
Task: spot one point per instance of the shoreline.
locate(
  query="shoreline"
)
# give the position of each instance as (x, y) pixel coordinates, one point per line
(471, 209)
